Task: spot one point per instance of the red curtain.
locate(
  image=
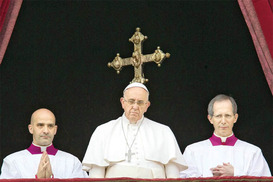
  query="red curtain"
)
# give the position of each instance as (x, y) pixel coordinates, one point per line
(264, 11)
(9, 10)
(4, 4)
(258, 15)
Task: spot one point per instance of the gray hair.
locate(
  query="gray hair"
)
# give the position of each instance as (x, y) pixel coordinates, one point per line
(222, 97)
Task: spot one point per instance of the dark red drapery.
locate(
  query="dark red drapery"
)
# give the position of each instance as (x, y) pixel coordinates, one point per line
(9, 10)
(258, 15)
(4, 4)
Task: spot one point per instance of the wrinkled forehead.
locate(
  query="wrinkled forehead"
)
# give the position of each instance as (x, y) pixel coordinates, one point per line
(222, 106)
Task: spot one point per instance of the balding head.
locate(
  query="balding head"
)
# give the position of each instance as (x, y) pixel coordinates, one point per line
(43, 112)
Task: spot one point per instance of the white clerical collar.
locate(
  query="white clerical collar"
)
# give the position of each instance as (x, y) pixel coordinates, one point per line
(223, 139)
(127, 122)
(43, 148)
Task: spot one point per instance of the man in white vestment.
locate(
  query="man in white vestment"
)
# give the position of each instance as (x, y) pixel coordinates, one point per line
(133, 145)
(42, 159)
(223, 154)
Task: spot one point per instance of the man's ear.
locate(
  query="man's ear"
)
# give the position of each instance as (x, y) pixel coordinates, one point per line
(210, 119)
(56, 128)
(236, 117)
(30, 128)
(122, 102)
(147, 106)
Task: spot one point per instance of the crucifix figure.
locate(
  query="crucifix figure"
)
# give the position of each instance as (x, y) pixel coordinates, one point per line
(138, 59)
(129, 154)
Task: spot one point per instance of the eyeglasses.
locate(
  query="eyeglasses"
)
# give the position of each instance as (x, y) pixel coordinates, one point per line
(220, 116)
(133, 101)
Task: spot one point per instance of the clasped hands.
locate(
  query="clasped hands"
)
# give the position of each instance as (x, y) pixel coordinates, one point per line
(44, 168)
(223, 170)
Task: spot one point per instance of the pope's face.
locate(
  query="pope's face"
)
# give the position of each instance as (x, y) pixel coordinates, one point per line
(135, 103)
(223, 118)
(43, 127)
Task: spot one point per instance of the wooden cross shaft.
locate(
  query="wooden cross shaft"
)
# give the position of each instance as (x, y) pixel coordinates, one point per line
(138, 59)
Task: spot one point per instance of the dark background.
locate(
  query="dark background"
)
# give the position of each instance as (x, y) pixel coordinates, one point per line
(58, 54)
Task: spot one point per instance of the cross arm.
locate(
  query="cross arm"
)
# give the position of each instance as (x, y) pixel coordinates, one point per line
(158, 57)
(119, 62)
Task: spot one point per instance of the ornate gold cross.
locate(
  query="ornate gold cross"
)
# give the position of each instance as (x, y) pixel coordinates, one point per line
(138, 59)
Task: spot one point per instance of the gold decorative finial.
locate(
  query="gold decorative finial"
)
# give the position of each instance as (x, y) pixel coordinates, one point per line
(138, 59)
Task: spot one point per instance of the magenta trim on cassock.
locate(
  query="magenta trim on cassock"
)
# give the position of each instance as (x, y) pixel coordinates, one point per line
(51, 150)
(230, 141)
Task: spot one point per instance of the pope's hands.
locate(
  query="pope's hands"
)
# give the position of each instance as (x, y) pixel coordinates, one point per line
(223, 170)
(44, 168)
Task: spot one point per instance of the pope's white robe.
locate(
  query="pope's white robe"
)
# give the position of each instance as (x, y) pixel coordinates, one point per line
(23, 164)
(246, 159)
(107, 147)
